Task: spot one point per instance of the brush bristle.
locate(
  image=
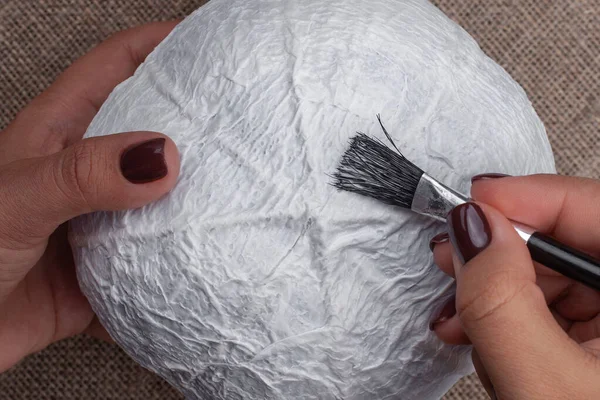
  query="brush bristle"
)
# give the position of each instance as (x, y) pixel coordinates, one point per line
(372, 169)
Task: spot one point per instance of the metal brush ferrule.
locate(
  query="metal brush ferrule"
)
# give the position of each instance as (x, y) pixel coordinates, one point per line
(436, 200)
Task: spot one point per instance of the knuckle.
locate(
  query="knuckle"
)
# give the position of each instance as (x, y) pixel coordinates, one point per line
(17, 198)
(75, 177)
(43, 118)
(499, 291)
(123, 41)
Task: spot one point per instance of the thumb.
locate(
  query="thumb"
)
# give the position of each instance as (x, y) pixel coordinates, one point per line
(114, 172)
(500, 307)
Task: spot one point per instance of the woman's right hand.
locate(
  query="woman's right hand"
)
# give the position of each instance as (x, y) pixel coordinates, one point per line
(536, 334)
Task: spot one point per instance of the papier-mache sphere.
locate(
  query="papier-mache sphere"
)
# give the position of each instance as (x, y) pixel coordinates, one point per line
(255, 278)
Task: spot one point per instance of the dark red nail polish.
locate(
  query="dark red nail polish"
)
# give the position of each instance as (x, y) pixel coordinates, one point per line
(145, 162)
(448, 311)
(469, 230)
(438, 239)
(484, 177)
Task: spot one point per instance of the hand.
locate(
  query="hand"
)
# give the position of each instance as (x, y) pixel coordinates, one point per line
(535, 333)
(48, 175)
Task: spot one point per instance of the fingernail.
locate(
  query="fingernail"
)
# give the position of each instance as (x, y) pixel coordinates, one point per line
(493, 396)
(448, 311)
(145, 162)
(484, 177)
(438, 239)
(469, 230)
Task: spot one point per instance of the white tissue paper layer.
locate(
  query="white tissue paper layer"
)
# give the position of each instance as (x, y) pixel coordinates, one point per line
(255, 278)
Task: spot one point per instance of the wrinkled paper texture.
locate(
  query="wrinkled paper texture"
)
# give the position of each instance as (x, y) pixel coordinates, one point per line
(255, 278)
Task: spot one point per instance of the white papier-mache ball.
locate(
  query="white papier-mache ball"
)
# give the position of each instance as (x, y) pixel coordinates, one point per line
(255, 278)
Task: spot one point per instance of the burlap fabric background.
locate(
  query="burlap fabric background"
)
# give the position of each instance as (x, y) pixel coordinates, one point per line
(551, 47)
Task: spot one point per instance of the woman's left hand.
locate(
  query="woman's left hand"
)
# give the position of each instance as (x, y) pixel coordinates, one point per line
(48, 175)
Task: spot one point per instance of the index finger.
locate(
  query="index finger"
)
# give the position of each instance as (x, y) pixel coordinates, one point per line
(61, 114)
(567, 208)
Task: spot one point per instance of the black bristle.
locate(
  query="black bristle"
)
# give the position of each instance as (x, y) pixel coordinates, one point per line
(370, 168)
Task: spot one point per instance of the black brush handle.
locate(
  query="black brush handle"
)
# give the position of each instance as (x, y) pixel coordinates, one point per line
(565, 260)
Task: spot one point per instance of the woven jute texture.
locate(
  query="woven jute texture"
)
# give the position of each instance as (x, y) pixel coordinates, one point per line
(551, 47)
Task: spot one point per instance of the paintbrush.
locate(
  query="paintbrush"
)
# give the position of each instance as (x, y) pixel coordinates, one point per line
(372, 169)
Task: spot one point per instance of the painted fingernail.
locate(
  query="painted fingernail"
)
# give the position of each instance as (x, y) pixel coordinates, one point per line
(438, 239)
(485, 177)
(145, 162)
(469, 231)
(448, 311)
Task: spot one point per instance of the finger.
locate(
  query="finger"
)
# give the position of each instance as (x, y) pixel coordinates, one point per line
(569, 210)
(482, 374)
(553, 285)
(96, 330)
(593, 346)
(564, 323)
(580, 303)
(106, 173)
(60, 115)
(585, 331)
(451, 332)
(442, 256)
(446, 324)
(555, 288)
(501, 309)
